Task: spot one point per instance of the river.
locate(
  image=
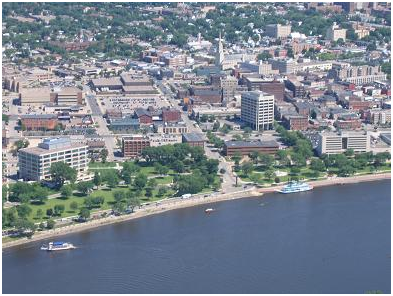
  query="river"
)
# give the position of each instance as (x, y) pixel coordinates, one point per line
(330, 240)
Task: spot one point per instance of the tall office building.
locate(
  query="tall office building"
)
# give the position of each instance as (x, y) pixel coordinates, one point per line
(34, 163)
(257, 109)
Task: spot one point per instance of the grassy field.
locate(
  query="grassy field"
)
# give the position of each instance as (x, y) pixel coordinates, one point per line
(102, 165)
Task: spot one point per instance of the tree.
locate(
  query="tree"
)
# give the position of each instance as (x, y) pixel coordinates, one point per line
(264, 56)
(112, 180)
(349, 152)
(277, 180)
(148, 192)
(39, 194)
(103, 155)
(66, 191)
(140, 181)
(74, 206)
(254, 156)
(39, 213)
(23, 211)
(49, 212)
(84, 214)
(236, 157)
(84, 187)
(255, 178)
(119, 196)
(247, 168)
(298, 159)
(317, 165)
(266, 160)
(132, 203)
(97, 180)
(283, 157)
(50, 224)
(162, 191)
(24, 225)
(178, 166)
(119, 207)
(61, 171)
(161, 169)
(152, 183)
(21, 144)
(59, 209)
(269, 174)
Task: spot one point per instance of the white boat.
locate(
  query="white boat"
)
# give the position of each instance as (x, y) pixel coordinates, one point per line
(209, 210)
(57, 246)
(294, 186)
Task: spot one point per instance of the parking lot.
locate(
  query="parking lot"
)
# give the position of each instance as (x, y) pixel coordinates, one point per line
(129, 104)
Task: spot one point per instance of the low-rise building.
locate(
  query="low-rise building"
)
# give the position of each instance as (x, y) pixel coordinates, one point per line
(334, 143)
(295, 122)
(39, 122)
(246, 147)
(194, 139)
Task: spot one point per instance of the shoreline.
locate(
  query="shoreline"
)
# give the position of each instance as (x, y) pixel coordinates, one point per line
(181, 203)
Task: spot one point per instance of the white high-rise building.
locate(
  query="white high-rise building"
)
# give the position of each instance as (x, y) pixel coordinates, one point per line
(257, 109)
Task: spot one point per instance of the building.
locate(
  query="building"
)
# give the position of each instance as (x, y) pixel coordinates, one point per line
(278, 31)
(334, 33)
(124, 125)
(257, 109)
(378, 116)
(69, 96)
(39, 122)
(164, 139)
(246, 147)
(34, 163)
(171, 115)
(194, 139)
(272, 87)
(171, 128)
(133, 145)
(334, 143)
(37, 96)
(295, 122)
(357, 74)
(174, 61)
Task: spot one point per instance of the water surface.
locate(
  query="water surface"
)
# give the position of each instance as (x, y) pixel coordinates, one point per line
(330, 240)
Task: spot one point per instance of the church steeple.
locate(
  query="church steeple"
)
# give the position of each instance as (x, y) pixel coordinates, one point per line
(220, 52)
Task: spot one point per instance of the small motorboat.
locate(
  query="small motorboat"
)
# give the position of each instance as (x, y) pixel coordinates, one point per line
(209, 210)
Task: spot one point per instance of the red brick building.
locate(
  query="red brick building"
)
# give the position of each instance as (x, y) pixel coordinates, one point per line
(132, 146)
(245, 148)
(295, 122)
(171, 115)
(39, 122)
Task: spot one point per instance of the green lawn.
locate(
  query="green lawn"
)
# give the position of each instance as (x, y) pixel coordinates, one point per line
(107, 194)
(98, 164)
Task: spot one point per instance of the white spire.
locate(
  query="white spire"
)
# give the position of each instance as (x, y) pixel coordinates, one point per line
(220, 52)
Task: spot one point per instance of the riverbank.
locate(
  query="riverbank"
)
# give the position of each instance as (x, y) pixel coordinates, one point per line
(336, 181)
(138, 213)
(173, 204)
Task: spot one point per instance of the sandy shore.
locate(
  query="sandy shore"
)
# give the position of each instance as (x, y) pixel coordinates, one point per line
(183, 203)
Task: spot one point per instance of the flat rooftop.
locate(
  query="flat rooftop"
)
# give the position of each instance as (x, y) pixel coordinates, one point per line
(251, 144)
(41, 151)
